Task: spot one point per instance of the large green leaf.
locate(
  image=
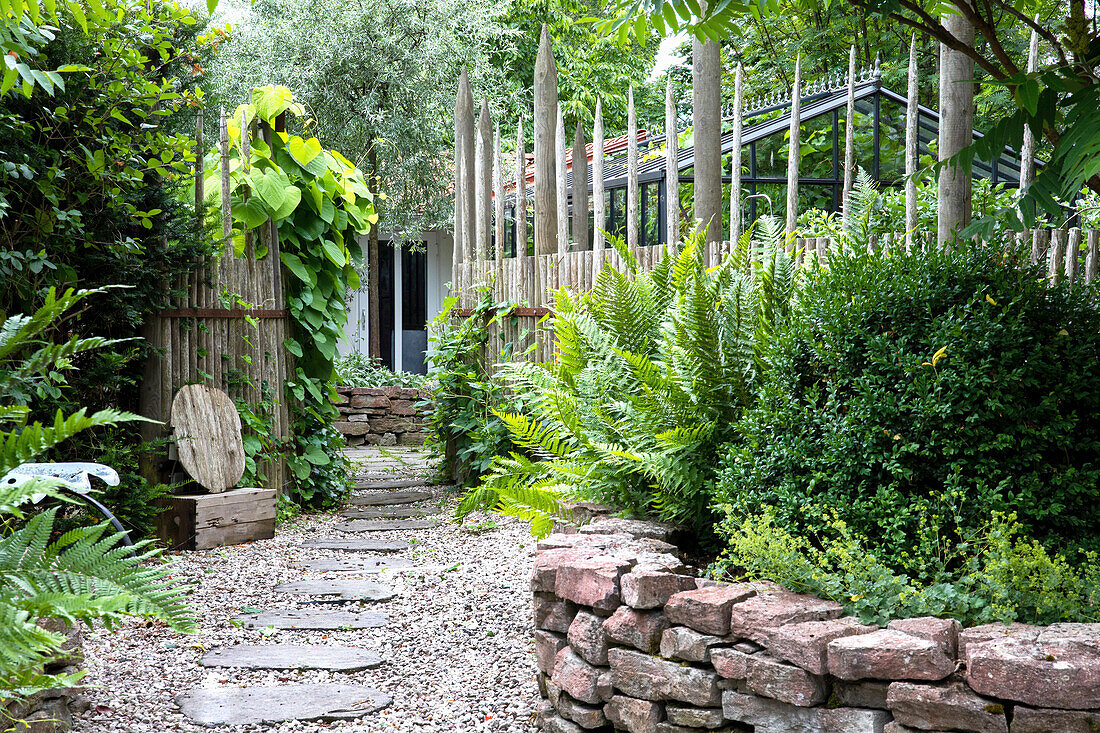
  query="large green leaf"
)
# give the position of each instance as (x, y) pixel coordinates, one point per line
(294, 264)
(252, 213)
(303, 151)
(334, 253)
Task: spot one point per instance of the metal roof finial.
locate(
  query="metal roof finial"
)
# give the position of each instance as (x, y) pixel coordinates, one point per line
(878, 65)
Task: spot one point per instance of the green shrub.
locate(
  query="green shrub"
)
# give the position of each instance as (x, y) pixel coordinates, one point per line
(915, 395)
(360, 370)
(651, 373)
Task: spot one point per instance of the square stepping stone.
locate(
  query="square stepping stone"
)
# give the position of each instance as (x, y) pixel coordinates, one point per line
(292, 656)
(311, 619)
(358, 565)
(382, 525)
(273, 704)
(357, 545)
(338, 591)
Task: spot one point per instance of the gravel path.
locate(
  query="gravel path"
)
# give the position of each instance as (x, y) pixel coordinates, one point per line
(458, 647)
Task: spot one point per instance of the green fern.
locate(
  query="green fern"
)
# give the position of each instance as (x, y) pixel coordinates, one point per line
(651, 372)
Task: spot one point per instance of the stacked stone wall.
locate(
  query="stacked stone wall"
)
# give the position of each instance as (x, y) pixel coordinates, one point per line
(51, 711)
(382, 415)
(627, 638)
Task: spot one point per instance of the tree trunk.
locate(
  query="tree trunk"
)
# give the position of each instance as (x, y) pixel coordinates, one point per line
(374, 301)
(956, 129)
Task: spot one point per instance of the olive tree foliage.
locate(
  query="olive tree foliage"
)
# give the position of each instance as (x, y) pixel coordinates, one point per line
(378, 79)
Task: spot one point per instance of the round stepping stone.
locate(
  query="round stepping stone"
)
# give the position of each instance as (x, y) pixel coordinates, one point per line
(313, 619)
(279, 703)
(357, 545)
(390, 498)
(292, 656)
(393, 483)
(337, 591)
(390, 512)
(382, 525)
(358, 565)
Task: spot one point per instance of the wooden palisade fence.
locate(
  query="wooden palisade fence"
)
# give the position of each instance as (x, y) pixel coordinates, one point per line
(558, 262)
(228, 329)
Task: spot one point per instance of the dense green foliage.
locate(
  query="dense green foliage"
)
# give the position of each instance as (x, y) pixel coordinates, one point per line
(90, 196)
(85, 574)
(914, 396)
(652, 370)
(319, 203)
(467, 394)
(359, 370)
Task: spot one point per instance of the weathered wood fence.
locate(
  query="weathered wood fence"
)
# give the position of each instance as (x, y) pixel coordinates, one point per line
(228, 329)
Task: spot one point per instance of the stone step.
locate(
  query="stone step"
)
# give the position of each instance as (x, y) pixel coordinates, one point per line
(338, 591)
(358, 565)
(391, 484)
(279, 703)
(390, 498)
(382, 525)
(311, 619)
(292, 656)
(357, 545)
(390, 512)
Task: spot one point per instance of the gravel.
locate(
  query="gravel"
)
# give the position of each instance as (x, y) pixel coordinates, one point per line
(458, 647)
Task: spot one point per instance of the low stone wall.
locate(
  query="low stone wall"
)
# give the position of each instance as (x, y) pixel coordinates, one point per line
(381, 415)
(51, 711)
(627, 638)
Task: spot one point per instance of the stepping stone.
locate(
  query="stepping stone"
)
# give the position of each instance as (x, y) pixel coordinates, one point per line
(292, 656)
(392, 483)
(383, 525)
(358, 565)
(279, 703)
(357, 545)
(390, 512)
(313, 619)
(390, 498)
(338, 591)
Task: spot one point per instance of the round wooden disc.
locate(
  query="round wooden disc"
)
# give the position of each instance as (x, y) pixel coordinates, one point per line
(208, 436)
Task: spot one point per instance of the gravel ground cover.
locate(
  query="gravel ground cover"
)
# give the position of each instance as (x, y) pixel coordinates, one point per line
(458, 648)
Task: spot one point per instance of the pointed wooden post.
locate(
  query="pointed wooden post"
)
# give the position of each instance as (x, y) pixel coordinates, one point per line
(793, 149)
(706, 77)
(912, 146)
(560, 178)
(227, 215)
(735, 167)
(483, 188)
(849, 140)
(521, 193)
(200, 168)
(631, 171)
(672, 172)
(498, 198)
(464, 171)
(1027, 150)
(956, 128)
(546, 111)
(599, 210)
(580, 190)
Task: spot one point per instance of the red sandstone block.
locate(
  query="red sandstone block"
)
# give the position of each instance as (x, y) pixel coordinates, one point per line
(545, 573)
(643, 676)
(732, 664)
(591, 581)
(943, 631)
(757, 617)
(359, 401)
(989, 632)
(636, 716)
(707, 609)
(806, 644)
(888, 655)
(945, 706)
(576, 677)
(1060, 673)
(648, 588)
(687, 644)
(547, 646)
(1037, 720)
(588, 638)
(639, 629)
(784, 682)
(553, 614)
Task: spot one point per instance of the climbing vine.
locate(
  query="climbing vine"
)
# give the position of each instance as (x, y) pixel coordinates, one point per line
(319, 202)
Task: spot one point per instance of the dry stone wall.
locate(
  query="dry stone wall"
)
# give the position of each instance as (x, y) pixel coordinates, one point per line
(382, 415)
(627, 638)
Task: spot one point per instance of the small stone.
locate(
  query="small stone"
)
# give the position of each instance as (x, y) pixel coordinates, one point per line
(1056, 674)
(636, 716)
(686, 644)
(694, 717)
(770, 715)
(278, 703)
(636, 528)
(784, 682)
(551, 722)
(1037, 720)
(946, 706)
(865, 694)
(642, 676)
(576, 677)
(591, 581)
(639, 629)
(943, 631)
(552, 613)
(605, 685)
(757, 617)
(545, 572)
(646, 588)
(547, 646)
(748, 647)
(888, 655)
(292, 656)
(855, 720)
(733, 664)
(588, 638)
(806, 644)
(707, 609)
(583, 715)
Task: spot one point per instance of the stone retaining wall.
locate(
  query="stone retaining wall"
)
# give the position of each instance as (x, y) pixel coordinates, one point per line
(51, 711)
(381, 415)
(627, 638)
